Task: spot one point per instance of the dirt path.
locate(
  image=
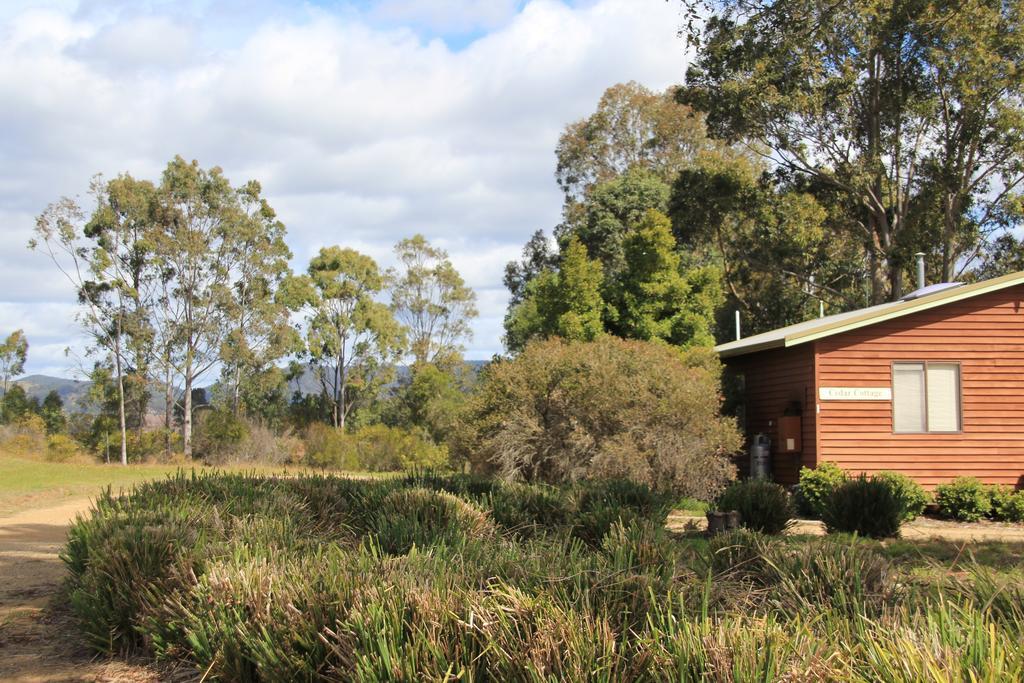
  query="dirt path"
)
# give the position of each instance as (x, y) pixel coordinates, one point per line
(38, 641)
(921, 529)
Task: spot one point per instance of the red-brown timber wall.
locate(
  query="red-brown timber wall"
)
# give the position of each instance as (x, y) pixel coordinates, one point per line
(773, 380)
(985, 334)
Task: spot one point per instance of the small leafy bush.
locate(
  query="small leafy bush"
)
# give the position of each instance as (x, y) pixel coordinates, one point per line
(1007, 505)
(329, 448)
(763, 505)
(422, 518)
(911, 495)
(815, 487)
(380, 448)
(217, 431)
(868, 507)
(62, 448)
(965, 499)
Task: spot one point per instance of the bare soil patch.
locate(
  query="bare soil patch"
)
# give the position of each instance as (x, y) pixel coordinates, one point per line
(38, 639)
(922, 528)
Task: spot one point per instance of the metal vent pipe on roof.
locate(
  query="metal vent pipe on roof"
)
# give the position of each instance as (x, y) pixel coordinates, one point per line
(920, 269)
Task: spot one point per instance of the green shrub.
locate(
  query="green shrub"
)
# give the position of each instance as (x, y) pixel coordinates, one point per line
(869, 507)
(120, 564)
(848, 578)
(250, 578)
(62, 448)
(763, 505)
(607, 409)
(526, 510)
(422, 518)
(217, 431)
(597, 505)
(911, 495)
(380, 448)
(965, 499)
(815, 487)
(1006, 504)
(329, 448)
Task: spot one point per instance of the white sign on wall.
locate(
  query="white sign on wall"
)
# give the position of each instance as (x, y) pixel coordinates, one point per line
(855, 393)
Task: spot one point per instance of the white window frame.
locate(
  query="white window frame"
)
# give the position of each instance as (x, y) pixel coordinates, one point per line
(924, 397)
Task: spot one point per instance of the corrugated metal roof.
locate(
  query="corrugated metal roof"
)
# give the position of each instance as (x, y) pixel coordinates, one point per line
(809, 330)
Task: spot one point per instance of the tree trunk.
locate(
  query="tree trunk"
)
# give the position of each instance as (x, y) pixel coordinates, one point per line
(168, 410)
(186, 420)
(120, 395)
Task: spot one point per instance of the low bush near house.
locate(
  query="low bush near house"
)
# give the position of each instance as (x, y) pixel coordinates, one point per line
(815, 487)
(965, 499)
(908, 492)
(1007, 505)
(763, 505)
(869, 507)
(249, 578)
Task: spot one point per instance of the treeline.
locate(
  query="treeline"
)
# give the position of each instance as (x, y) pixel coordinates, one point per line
(187, 276)
(812, 151)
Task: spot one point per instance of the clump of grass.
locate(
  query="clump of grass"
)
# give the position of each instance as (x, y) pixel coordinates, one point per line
(319, 578)
(763, 505)
(419, 517)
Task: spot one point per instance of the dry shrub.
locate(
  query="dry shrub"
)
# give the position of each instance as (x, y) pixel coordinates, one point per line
(25, 438)
(260, 444)
(62, 448)
(611, 408)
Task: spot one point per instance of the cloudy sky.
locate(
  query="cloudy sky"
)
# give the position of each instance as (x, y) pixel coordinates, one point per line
(365, 121)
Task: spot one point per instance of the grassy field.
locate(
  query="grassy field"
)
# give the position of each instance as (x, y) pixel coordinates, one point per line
(27, 483)
(247, 578)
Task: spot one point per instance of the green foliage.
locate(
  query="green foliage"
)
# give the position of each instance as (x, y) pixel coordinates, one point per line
(327, 447)
(816, 487)
(352, 339)
(601, 504)
(431, 299)
(62, 448)
(1007, 504)
(429, 399)
(764, 506)
(13, 354)
(218, 431)
(565, 303)
(965, 499)
(610, 211)
(908, 492)
(868, 507)
(608, 409)
(655, 297)
(15, 405)
(380, 448)
(374, 448)
(252, 578)
(526, 510)
(884, 111)
(52, 412)
(421, 518)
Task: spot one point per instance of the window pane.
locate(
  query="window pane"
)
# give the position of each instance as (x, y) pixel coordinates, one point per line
(908, 397)
(943, 397)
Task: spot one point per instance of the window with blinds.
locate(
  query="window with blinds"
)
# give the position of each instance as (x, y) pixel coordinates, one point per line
(925, 397)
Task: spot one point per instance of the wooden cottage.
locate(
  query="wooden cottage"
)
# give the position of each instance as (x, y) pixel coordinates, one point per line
(931, 385)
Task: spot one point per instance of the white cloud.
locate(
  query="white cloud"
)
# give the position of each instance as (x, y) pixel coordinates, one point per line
(361, 129)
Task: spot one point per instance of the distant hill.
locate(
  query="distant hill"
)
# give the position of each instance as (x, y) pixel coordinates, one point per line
(72, 391)
(75, 391)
